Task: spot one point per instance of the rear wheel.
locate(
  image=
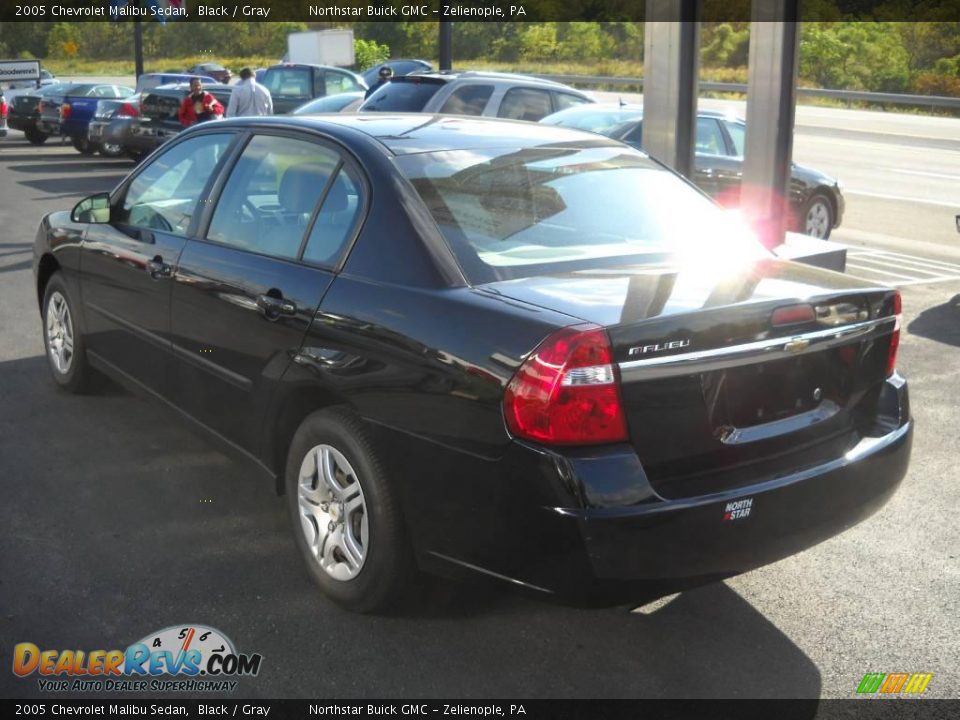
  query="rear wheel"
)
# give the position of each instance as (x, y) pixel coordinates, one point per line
(83, 146)
(817, 218)
(35, 137)
(111, 150)
(66, 353)
(346, 514)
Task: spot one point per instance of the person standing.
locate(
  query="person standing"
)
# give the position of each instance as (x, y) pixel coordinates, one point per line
(383, 77)
(249, 97)
(199, 105)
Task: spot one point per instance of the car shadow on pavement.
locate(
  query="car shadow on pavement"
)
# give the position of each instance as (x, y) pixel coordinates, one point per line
(940, 323)
(120, 521)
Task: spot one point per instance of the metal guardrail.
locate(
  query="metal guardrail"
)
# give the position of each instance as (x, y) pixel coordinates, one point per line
(939, 101)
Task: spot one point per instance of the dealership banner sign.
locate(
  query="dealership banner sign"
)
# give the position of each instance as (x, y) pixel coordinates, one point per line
(18, 71)
(449, 10)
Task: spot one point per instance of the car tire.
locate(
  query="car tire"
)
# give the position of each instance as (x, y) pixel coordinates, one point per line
(83, 146)
(346, 514)
(817, 217)
(111, 150)
(63, 341)
(35, 137)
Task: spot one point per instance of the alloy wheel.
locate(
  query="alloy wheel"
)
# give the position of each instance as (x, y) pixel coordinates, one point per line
(333, 512)
(59, 333)
(817, 222)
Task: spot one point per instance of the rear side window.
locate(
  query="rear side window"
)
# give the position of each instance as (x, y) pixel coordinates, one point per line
(525, 104)
(288, 82)
(402, 96)
(268, 202)
(336, 220)
(468, 100)
(738, 135)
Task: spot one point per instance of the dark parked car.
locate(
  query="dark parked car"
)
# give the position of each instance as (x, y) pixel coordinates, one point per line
(816, 200)
(455, 347)
(214, 70)
(158, 120)
(149, 81)
(69, 113)
(25, 112)
(292, 84)
(111, 124)
(400, 67)
(504, 95)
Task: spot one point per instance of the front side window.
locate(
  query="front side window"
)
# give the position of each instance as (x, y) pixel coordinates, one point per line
(468, 100)
(518, 213)
(166, 194)
(269, 200)
(710, 138)
(337, 82)
(525, 104)
(738, 132)
(568, 100)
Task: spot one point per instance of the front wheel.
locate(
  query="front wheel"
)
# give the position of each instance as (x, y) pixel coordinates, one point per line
(817, 217)
(66, 354)
(346, 514)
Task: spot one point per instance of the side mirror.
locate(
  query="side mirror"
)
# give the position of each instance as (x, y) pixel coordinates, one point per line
(94, 209)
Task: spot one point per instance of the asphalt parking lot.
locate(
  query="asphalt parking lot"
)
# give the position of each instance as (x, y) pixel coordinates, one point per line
(120, 521)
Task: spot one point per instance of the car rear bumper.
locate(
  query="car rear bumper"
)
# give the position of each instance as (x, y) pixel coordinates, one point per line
(624, 542)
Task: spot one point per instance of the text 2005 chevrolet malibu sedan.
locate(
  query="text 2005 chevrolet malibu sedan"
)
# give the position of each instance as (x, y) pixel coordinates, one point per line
(485, 347)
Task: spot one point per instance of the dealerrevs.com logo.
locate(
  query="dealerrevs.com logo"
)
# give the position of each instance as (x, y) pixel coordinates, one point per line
(200, 658)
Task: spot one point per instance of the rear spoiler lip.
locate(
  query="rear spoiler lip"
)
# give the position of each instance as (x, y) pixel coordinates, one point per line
(690, 363)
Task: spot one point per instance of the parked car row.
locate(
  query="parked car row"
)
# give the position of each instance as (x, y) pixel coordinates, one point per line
(111, 120)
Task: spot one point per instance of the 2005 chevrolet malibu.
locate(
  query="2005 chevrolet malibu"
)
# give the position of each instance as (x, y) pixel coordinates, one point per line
(478, 346)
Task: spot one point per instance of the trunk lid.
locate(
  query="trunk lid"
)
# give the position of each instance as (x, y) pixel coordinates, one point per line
(716, 394)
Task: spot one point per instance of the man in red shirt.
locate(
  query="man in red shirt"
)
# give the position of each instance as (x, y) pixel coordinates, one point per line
(199, 105)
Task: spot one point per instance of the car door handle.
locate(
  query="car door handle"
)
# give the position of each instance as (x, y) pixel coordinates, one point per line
(158, 269)
(273, 306)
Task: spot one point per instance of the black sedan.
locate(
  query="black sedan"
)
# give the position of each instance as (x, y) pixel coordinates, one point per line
(455, 348)
(816, 200)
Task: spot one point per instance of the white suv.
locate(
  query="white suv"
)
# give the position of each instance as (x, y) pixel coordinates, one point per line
(517, 97)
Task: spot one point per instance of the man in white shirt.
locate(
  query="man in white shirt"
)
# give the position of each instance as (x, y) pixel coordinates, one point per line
(249, 97)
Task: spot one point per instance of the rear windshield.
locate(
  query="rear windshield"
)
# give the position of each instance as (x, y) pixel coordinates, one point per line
(289, 82)
(402, 95)
(518, 213)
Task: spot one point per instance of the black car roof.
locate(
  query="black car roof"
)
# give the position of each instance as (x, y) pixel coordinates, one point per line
(406, 133)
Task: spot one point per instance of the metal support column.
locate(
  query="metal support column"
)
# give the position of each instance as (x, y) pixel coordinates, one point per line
(771, 100)
(138, 48)
(446, 45)
(671, 60)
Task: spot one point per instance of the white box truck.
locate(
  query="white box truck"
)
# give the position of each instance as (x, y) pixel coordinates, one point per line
(321, 47)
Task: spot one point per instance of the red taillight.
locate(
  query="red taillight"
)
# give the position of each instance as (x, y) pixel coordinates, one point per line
(895, 337)
(128, 110)
(3, 109)
(567, 391)
(65, 111)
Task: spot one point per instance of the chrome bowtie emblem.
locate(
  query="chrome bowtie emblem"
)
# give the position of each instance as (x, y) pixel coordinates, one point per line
(796, 345)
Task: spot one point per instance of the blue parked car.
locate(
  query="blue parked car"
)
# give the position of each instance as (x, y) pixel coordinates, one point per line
(69, 112)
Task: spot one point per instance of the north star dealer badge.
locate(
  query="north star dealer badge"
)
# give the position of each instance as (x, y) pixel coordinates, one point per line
(738, 509)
